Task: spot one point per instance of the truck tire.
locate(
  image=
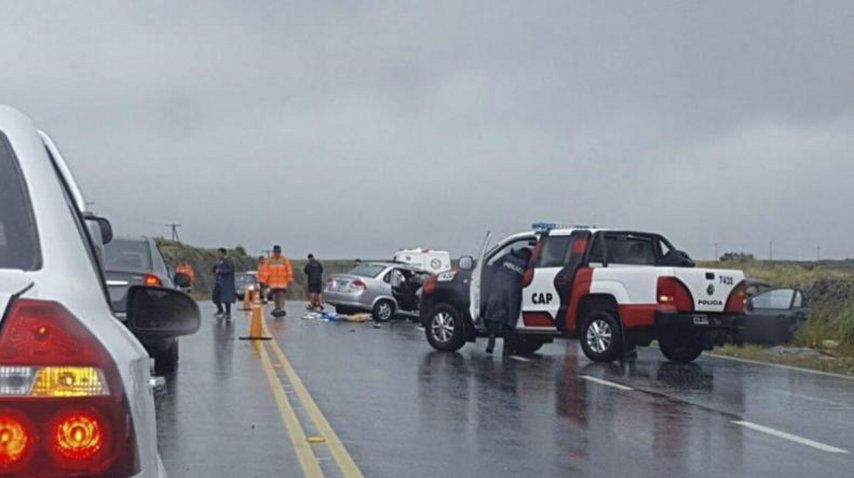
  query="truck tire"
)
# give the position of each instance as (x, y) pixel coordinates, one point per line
(523, 344)
(166, 361)
(680, 347)
(383, 310)
(445, 329)
(602, 336)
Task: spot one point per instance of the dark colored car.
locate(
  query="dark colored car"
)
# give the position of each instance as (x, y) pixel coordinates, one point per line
(242, 280)
(774, 315)
(130, 261)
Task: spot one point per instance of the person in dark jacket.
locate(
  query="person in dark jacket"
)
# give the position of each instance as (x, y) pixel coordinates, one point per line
(314, 275)
(224, 293)
(504, 302)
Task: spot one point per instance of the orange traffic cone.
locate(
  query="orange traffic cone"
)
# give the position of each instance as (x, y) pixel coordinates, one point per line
(247, 300)
(256, 330)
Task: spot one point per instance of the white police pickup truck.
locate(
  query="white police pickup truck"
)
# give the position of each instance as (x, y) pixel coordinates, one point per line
(613, 289)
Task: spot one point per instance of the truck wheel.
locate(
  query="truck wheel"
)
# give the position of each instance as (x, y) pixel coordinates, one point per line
(602, 336)
(383, 310)
(167, 360)
(523, 345)
(680, 348)
(445, 330)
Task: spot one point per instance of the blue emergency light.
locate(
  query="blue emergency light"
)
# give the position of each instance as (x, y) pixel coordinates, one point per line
(543, 226)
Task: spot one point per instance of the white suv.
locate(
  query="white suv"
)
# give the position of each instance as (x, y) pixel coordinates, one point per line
(75, 384)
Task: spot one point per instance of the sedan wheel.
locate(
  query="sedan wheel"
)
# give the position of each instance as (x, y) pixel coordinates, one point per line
(383, 311)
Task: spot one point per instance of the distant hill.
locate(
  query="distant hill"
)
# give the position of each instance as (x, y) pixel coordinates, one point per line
(203, 261)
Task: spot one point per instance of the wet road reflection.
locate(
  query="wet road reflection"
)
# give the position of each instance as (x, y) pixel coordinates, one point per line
(403, 409)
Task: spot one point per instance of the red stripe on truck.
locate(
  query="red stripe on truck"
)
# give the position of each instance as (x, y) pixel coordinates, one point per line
(580, 288)
(638, 315)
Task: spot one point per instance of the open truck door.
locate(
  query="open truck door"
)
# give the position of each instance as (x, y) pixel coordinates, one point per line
(474, 290)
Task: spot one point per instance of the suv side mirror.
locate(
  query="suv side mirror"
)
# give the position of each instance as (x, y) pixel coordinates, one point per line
(749, 305)
(104, 226)
(158, 311)
(467, 263)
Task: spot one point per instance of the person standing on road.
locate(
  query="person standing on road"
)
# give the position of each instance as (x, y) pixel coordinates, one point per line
(224, 289)
(278, 274)
(505, 296)
(314, 277)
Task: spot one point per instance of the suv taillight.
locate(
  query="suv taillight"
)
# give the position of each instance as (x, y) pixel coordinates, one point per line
(152, 280)
(430, 285)
(673, 293)
(737, 300)
(63, 411)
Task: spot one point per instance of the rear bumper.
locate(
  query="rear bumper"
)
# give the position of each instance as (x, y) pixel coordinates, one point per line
(699, 321)
(344, 299)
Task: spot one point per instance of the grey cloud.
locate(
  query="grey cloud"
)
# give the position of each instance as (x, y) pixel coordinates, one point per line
(353, 128)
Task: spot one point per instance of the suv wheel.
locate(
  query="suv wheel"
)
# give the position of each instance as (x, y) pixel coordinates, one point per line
(383, 310)
(445, 329)
(602, 336)
(680, 347)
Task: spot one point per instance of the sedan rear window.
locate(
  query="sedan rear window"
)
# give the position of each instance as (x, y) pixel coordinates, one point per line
(127, 255)
(241, 280)
(19, 245)
(367, 270)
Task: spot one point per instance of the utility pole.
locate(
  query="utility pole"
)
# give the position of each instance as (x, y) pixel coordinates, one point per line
(770, 250)
(717, 257)
(818, 253)
(174, 231)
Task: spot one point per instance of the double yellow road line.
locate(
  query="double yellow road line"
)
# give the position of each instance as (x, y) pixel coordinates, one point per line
(304, 451)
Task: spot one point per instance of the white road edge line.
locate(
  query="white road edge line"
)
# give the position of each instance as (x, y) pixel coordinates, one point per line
(790, 437)
(808, 397)
(777, 365)
(521, 359)
(606, 383)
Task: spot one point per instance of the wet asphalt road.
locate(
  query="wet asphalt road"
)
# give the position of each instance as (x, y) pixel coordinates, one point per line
(403, 410)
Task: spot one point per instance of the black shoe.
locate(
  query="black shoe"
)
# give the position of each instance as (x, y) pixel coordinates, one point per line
(490, 346)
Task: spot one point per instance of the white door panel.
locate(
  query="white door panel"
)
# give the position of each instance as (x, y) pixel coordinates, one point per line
(541, 295)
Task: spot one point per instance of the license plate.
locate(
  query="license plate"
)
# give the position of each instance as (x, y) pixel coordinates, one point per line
(701, 320)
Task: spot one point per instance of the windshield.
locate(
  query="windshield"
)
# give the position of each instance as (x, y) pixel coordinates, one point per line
(367, 270)
(19, 247)
(127, 255)
(245, 279)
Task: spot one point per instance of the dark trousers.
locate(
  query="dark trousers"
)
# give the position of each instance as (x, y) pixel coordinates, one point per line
(215, 297)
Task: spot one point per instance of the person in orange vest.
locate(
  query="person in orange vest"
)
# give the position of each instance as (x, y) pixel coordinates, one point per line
(278, 274)
(186, 269)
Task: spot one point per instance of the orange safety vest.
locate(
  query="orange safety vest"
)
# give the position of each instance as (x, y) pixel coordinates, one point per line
(277, 273)
(184, 268)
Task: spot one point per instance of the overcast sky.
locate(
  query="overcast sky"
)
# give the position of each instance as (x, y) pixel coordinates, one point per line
(351, 129)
